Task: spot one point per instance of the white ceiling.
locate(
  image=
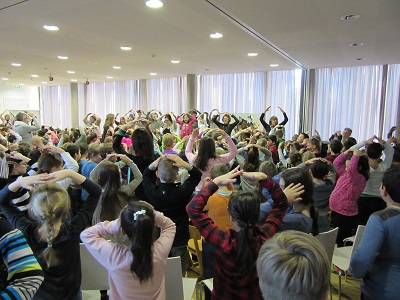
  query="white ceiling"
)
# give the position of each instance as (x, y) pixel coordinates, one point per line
(292, 33)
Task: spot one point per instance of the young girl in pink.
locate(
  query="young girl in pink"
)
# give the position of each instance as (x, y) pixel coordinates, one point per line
(354, 174)
(186, 124)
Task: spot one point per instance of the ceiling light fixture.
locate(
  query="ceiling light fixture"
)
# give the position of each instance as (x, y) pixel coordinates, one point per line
(154, 3)
(274, 65)
(252, 54)
(62, 57)
(44, 82)
(71, 72)
(153, 74)
(175, 61)
(74, 80)
(110, 77)
(216, 35)
(4, 78)
(21, 84)
(34, 75)
(50, 27)
(92, 62)
(350, 17)
(16, 64)
(116, 67)
(126, 48)
(356, 44)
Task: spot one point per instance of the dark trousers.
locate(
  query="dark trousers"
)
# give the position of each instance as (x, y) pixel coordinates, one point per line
(367, 206)
(345, 224)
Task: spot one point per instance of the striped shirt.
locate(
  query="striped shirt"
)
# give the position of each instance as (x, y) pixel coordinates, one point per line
(24, 272)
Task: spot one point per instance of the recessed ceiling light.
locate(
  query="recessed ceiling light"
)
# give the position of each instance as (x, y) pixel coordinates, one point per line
(356, 44)
(74, 80)
(154, 3)
(252, 54)
(44, 82)
(110, 77)
(350, 17)
(360, 58)
(50, 27)
(92, 62)
(126, 48)
(71, 72)
(153, 74)
(274, 65)
(16, 64)
(216, 35)
(34, 75)
(21, 83)
(175, 61)
(116, 67)
(62, 57)
(4, 78)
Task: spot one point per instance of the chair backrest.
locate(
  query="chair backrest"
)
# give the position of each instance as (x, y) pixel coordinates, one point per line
(358, 237)
(328, 240)
(173, 279)
(195, 235)
(94, 275)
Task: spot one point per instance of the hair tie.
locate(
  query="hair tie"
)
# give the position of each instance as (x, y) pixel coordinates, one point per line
(249, 225)
(138, 213)
(50, 245)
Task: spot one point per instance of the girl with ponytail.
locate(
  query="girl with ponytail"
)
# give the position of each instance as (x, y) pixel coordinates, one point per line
(53, 239)
(235, 275)
(136, 270)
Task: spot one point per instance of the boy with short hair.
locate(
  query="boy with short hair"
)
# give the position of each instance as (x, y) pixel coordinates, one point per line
(171, 198)
(272, 147)
(293, 265)
(216, 210)
(323, 175)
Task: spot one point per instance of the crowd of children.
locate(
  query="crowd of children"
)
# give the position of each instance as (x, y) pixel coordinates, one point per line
(142, 179)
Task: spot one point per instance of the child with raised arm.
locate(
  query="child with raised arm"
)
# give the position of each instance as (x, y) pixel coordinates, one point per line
(54, 241)
(235, 275)
(171, 198)
(136, 271)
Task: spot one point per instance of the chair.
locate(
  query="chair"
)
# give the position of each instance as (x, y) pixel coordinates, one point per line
(342, 256)
(195, 247)
(176, 287)
(94, 275)
(202, 285)
(328, 240)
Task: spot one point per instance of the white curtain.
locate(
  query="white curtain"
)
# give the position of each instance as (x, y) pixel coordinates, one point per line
(167, 94)
(251, 93)
(57, 106)
(347, 97)
(110, 97)
(391, 114)
(235, 93)
(283, 90)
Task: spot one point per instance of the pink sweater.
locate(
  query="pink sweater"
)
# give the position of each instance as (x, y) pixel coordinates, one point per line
(349, 187)
(223, 159)
(117, 259)
(186, 128)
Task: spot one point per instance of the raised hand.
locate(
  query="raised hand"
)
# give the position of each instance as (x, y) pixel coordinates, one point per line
(293, 192)
(228, 177)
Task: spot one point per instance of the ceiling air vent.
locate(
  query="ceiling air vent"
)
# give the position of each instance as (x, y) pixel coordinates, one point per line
(350, 17)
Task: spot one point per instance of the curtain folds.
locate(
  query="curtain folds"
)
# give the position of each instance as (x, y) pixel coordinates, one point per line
(363, 98)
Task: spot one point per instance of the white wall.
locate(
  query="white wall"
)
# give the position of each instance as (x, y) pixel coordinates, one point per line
(23, 98)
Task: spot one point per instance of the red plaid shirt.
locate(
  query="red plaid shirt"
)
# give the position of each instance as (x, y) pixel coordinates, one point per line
(226, 285)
